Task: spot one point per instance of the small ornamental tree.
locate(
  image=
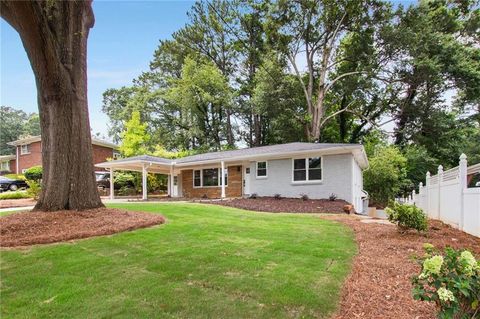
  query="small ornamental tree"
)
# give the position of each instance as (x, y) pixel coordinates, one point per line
(135, 137)
(451, 280)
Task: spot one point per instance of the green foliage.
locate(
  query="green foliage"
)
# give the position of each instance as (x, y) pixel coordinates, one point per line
(34, 173)
(135, 137)
(407, 217)
(15, 124)
(450, 279)
(14, 195)
(124, 179)
(34, 189)
(386, 175)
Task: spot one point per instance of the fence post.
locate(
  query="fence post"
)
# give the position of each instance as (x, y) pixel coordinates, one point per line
(421, 196)
(427, 192)
(462, 174)
(440, 179)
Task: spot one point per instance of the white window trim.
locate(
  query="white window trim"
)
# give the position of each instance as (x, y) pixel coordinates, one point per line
(5, 166)
(201, 177)
(256, 170)
(307, 181)
(21, 149)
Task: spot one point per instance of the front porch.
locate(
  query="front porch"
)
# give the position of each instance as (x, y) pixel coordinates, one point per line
(222, 179)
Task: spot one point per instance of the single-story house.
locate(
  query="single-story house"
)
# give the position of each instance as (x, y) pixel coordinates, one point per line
(29, 153)
(291, 170)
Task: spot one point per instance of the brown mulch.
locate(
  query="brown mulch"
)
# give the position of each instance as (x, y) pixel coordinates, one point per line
(23, 202)
(29, 228)
(291, 205)
(379, 285)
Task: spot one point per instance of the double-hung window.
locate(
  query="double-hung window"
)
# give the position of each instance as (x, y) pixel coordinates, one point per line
(307, 169)
(209, 177)
(261, 169)
(24, 149)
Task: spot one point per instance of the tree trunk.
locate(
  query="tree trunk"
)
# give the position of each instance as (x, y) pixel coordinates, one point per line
(54, 34)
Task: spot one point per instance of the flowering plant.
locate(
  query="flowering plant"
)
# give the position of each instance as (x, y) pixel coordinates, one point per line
(451, 280)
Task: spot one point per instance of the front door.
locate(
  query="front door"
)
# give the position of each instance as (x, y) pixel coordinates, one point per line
(175, 186)
(246, 181)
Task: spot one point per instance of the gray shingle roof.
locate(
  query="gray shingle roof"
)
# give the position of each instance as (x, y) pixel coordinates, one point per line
(262, 150)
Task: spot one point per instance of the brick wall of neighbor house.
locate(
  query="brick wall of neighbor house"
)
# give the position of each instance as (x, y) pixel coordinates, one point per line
(101, 153)
(13, 166)
(234, 188)
(33, 158)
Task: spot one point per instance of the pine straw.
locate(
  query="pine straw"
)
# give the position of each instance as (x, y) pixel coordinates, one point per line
(379, 285)
(29, 228)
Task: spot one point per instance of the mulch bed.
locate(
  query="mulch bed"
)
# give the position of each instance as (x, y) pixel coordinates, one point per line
(291, 205)
(29, 228)
(379, 285)
(23, 202)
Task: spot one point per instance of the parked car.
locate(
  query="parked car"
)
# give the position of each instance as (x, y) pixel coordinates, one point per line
(8, 184)
(474, 181)
(103, 181)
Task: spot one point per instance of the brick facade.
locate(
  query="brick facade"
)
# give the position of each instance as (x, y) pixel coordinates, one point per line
(34, 157)
(234, 188)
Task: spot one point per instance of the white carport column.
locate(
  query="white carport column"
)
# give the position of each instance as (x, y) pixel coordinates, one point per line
(223, 179)
(112, 188)
(170, 182)
(144, 182)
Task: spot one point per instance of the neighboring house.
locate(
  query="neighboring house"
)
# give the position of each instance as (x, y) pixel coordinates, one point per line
(29, 153)
(7, 163)
(291, 170)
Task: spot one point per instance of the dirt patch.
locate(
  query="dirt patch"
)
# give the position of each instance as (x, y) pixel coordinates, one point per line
(23, 202)
(29, 228)
(291, 205)
(379, 285)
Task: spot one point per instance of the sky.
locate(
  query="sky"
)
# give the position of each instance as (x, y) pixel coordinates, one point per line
(120, 47)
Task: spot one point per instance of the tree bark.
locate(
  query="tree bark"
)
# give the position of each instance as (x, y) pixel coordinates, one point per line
(54, 34)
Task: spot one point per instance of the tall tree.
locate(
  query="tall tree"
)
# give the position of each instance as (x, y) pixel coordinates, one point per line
(309, 32)
(54, 34)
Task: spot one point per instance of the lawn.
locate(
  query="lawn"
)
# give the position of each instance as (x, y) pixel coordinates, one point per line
(206, 262)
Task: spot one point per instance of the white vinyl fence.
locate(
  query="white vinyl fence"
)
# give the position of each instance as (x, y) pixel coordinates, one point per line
(446, 197)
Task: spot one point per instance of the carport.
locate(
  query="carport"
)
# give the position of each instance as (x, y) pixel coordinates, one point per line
(144, 164)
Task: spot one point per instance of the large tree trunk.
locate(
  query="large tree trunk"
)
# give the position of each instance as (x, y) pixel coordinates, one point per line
(54, 34)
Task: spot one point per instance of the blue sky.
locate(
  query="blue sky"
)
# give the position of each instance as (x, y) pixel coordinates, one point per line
(120, 47)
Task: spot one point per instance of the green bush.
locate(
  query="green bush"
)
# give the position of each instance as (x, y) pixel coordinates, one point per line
(124, 179)
(407, 217)
(34, 189)
(34, 173)
(451, 280)
(14, 195)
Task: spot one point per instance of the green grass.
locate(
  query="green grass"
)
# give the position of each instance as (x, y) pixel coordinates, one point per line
(14, 195)
(206, 262)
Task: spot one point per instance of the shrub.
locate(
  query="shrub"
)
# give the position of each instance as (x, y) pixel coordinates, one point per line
(407, 217)
(34, 189)
(14, 195)
(304, 197)
(332, 197)
(277, 196)
(126, 191)
(253, 196)
(451, 280)
(124, 179)
(34, 173)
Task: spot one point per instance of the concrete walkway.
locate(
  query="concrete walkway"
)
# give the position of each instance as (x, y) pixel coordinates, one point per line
(15, 209)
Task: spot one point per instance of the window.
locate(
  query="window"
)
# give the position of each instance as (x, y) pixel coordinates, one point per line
(261, 169)
(5, 166)
(197, 181)
(307, 169)
(175, 180)
(209, 177)
(24, 149)
(116, 155)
